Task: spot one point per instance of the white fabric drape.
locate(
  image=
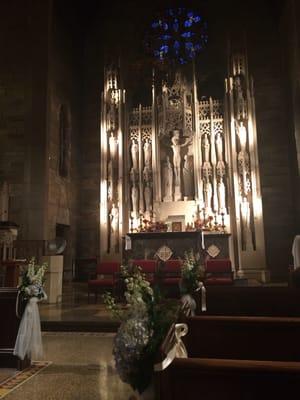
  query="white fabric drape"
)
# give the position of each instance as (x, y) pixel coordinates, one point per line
(29, 339)
(296, 251)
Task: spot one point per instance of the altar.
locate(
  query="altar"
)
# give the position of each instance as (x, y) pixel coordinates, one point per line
(182, 164)
(173, 245)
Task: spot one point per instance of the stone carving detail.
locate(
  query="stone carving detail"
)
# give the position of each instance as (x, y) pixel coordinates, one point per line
(140, 147)
(168, 180)
(213, 251)
(240, 112)
(164, 253)
(114, 228)
(213, 156)
(147, 153)
(4, 201)
(134, 155)
(188, 177)
(110, 153)
(176, 148)
(135, 201)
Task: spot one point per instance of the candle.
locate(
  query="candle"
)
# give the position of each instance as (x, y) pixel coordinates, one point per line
(202, 240)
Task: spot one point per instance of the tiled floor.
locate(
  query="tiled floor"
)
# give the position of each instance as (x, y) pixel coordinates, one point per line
(82, 369)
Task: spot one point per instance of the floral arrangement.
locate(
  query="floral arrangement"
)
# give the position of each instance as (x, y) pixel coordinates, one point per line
(151, 226)
(191, 273)
(33, 278)
(145, 321)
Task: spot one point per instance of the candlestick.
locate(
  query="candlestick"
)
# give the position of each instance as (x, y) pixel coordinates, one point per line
(216, 222)
(202, 240)
(131, 224)
(223, 222)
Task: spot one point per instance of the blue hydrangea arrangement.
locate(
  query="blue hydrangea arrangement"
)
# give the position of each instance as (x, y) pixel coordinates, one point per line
(145, 321)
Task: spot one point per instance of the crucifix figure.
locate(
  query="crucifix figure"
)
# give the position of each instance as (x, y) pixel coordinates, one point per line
(176, 146)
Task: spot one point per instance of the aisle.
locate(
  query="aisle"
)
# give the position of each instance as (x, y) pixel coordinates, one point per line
(81, 369)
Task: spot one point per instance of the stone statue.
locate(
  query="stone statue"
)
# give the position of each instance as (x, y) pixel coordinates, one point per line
(110, 182)
(4, 200)
(113, 144)
(207, 194)
(188, 178)
(147, 153)
(243, 160)
(247, 242)
(242, 134)
(168, 180)
(176, 155)
(221, 196)
(240, 97)
(147, 174)
(134, 155)
(219, 146)
(206, 148)
(148, 198)
(114, 226)
(135, 199)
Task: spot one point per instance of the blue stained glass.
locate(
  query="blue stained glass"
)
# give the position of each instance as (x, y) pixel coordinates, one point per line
(188, 23)
(187, 34)
(176, 25)
(176, 44)
(164, 48)
(180, 35)
(165, 37)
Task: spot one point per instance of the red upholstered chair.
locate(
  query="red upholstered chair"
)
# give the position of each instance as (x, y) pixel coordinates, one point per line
(106, 278)
(218, 272)
(171, 273)
(149, 268)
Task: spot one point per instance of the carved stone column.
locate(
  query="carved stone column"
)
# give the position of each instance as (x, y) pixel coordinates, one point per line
(111, 187)
(247, 218)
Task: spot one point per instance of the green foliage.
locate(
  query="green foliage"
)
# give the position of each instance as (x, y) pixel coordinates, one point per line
(191, 273)
(144, 324)
(33, 279)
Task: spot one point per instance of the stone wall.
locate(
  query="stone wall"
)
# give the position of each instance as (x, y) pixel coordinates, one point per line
(23, 93)
(276, 152)
(89, 196)
(290, 29)
(64, 92)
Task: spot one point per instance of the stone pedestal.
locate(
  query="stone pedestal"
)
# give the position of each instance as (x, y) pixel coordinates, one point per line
(54, 275)
(177, 194)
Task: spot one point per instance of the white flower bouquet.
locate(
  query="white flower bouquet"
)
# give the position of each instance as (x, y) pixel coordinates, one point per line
(33, 279)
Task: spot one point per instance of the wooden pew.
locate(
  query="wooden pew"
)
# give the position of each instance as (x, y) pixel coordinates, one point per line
(235, 358)
(9, 329)
(251, 301)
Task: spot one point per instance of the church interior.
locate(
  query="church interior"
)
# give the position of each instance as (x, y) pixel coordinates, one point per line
(133, 133)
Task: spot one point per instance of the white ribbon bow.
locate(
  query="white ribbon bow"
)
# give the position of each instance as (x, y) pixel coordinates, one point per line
(29, 339)
(201, 287)
(178, 350)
